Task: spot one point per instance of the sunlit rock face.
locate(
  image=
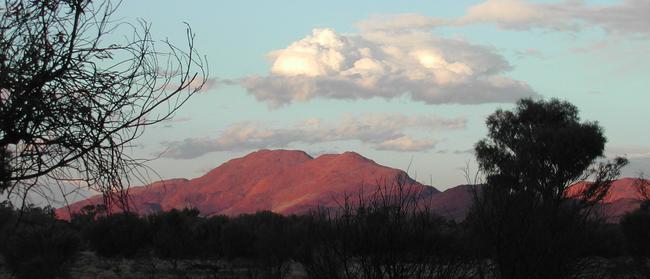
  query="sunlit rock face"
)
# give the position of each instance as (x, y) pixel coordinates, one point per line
(282, 181)
(292, 182)
(623, 197)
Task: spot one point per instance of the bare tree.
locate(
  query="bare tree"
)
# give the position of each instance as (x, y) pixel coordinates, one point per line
(77, 88)
(642, 186)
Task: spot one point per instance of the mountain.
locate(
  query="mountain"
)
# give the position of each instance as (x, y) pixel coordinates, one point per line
(283, 181)
(292, 182)
(622, 197)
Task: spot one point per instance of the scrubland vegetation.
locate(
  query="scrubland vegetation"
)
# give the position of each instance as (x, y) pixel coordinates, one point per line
(386, 237)
(64, 119)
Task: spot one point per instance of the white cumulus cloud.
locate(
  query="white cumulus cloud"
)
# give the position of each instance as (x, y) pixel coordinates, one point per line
(386, 60)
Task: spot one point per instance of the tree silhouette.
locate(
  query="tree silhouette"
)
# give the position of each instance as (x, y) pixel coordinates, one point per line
(39, 246)
(636, 227)
(74, 96)
(523, 215)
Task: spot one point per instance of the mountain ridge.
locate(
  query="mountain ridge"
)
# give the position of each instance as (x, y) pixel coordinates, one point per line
(293, 182)
(283, 181)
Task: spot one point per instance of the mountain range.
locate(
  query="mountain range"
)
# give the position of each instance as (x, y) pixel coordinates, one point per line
(293, 182)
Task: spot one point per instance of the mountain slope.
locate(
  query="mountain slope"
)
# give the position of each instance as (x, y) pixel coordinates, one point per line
(623, 197)
(288, 182)
(283, 181)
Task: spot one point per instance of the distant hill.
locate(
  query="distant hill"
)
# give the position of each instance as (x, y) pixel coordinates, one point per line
(283, 181)
(292, 182)
(622, 197)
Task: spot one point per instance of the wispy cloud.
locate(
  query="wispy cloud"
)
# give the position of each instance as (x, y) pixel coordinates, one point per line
(382, 131)
(199, 84)
(397, 22)
(631, 152)
(624, 17)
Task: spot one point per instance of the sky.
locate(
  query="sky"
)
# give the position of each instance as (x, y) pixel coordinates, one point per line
(408, 84)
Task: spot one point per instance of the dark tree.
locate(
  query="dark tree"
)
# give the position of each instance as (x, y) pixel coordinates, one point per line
(172, 235)
(636, 228)
(37, 247)
(118, 235)
(523, 215)
(77, 87)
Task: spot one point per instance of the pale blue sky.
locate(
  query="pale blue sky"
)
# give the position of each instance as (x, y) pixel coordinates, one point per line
(601, 66)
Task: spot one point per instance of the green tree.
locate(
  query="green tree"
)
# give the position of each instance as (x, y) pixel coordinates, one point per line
(523, 215)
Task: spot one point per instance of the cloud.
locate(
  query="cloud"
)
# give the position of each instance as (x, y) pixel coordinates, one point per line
(521, 15)
(382, 131)
(456, 151)
(406, 143)
(530, 52)
(637, 167)
(630, 152)
(203, 85)
(630, 16)
(399, 22)
(386, 60)
(210, 83)
(625, 17)
(169, 122)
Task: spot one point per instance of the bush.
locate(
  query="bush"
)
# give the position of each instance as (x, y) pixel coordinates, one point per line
(123, 235)
(238, 239)
(172, 234)
(37, 245)
(636, 229)
(208, 233)
(388, 235)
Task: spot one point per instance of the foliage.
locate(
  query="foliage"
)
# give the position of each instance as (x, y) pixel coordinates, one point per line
(172, 234)
(118, 235)
(389, 235)
(37, 245)
(522, 214)
(208, 233)
(87, 215)
(74, 96)
(5, 169)
(636, 228)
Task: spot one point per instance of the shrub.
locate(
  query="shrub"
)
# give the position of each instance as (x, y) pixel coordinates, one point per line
(172, 234)
(37, 245)
(238, 239)
(208, 233)
(636, 229)
(123, 235)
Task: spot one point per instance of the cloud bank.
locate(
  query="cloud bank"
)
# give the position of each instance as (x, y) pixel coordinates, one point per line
(624, 17)
(399, 55)
(389, 58)
(382, 131)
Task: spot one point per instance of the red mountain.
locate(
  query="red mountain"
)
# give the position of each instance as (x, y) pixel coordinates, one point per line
(621, 189)
(286, 182)
(622, 197)
(282, 181)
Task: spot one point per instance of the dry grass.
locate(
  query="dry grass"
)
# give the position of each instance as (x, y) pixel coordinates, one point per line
(88, 265)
